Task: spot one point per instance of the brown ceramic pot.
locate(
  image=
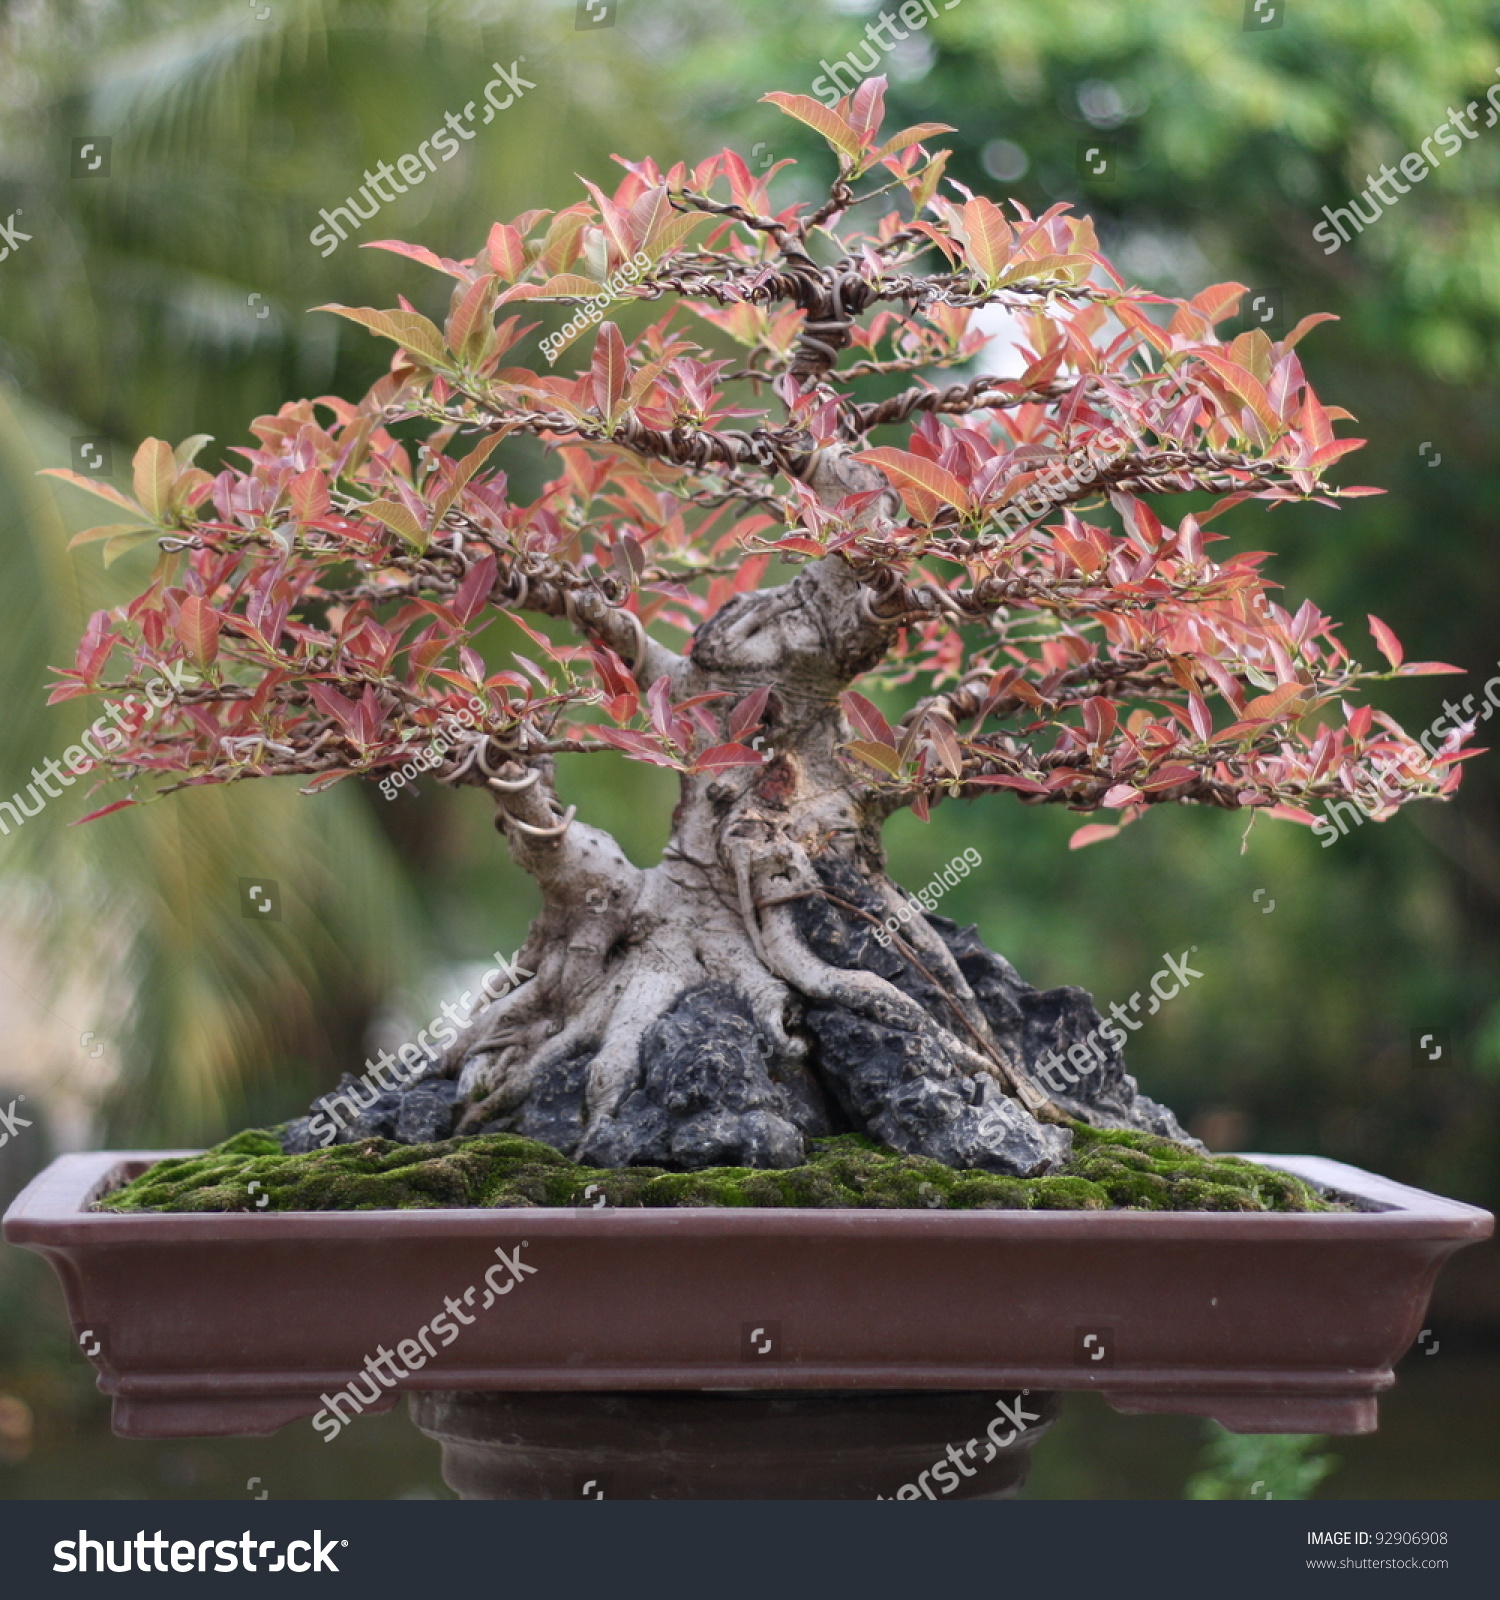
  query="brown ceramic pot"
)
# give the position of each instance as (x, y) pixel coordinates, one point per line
(240, 1323)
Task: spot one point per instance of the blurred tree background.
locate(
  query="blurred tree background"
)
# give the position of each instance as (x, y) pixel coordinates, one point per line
(168, 293)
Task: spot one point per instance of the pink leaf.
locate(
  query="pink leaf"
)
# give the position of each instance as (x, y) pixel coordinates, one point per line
(1093, 833)
(1390, 645)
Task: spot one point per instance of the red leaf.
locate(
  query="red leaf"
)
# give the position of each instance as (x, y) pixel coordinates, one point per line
(475, 589)
(104, 811)
(819, 117)
(1002, 780)
(746, 716)
(867, 720)
(332, 704)
(724, 756)
(639, 746)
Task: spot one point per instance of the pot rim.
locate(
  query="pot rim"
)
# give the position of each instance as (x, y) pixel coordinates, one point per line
(50, 1211)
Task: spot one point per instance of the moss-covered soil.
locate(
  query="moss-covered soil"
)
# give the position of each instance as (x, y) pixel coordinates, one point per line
(1107, 1171)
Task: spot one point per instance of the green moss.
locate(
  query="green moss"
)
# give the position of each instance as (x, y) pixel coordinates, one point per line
(1107, 1171)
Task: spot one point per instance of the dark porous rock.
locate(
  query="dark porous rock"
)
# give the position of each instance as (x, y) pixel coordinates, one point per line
(417, 1113)
(899, 1086)
(426, 1112)
(1041, 1023)
(712, 1092)
(554, 1110)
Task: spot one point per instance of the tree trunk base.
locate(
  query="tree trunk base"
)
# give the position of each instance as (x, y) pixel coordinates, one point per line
(730, 1072)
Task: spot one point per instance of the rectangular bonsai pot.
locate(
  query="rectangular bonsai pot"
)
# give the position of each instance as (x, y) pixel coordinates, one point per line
(238, 1323)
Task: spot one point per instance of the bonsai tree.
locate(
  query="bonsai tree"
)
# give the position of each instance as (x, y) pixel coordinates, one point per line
(354, 601)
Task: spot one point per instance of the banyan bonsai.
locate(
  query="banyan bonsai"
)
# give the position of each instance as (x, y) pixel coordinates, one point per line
(980, 555)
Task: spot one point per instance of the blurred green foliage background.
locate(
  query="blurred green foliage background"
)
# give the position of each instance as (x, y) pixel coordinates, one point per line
(170, 296)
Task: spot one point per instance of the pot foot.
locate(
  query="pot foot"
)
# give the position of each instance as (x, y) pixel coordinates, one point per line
(735, 1444)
